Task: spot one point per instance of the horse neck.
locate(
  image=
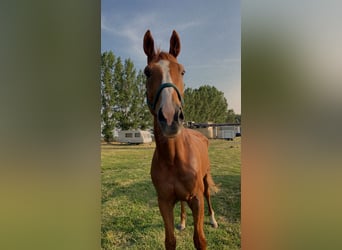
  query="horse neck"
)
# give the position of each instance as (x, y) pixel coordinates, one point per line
(169, 148)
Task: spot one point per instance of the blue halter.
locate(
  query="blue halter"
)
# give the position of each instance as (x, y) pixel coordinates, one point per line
(156, 97)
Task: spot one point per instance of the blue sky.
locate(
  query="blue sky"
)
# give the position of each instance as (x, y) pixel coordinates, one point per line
(210, 33)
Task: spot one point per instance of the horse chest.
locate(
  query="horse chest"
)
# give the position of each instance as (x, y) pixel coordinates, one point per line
(174, 181)
(184, 190)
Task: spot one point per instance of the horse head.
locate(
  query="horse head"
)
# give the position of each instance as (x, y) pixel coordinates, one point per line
(164, 85)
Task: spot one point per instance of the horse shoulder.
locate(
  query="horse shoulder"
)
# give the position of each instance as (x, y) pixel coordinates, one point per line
(197, 137)
(200, 145)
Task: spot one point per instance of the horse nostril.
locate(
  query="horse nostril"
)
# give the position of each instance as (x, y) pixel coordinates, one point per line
(181, 115)
(161, 117)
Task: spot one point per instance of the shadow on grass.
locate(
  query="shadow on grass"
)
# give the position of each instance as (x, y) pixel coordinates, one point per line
(226, 203)
(136, 192)
(139, 219)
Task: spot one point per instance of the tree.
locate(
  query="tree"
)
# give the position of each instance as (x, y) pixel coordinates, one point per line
(122, 96)
(205, 104)
(131, 111)
(238, 118)
(126, 90)
(107, 95)
(143, 116)
(232, 117)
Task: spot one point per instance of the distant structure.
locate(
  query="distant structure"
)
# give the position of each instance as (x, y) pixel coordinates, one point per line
(211, 130)
(134, 136)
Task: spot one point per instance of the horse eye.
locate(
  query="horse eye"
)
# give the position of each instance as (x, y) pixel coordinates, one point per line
(181, 69)
(147, 71)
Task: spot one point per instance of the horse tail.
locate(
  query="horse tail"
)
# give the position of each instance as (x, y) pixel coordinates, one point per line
(211, 184)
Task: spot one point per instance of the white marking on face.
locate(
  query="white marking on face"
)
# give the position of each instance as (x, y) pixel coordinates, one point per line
(166, 103)
(164, 65)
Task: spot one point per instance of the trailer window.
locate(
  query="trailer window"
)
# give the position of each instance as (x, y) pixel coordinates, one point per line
(128, 135)
(137, 135)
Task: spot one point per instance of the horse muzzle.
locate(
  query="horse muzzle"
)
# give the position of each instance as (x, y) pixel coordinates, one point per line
(171, 128)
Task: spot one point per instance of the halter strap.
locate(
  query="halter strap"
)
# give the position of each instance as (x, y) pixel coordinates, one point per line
(156, 97)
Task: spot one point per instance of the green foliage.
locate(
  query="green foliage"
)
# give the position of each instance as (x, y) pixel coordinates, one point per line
(122, 96)
(205, 104)
(232, 117)
(142, 115)
(129, 207)
(107, 95)
(126, 89)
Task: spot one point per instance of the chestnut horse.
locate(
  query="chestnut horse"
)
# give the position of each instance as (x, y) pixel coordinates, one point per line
(180, 167)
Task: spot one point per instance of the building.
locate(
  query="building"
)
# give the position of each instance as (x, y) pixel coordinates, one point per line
(211, 130)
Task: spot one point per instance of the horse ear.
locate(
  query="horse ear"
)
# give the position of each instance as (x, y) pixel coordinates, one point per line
(149, 46)
(175, 45)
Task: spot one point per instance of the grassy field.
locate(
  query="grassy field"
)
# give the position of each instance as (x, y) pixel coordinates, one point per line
(130, 214)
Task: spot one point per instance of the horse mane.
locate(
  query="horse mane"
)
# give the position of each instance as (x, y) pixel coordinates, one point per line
(162, 55)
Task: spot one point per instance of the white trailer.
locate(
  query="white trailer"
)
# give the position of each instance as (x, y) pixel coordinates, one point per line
(226, 132)
(134, 136)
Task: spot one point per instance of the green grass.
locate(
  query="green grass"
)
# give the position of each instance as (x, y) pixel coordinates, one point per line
(130, 214)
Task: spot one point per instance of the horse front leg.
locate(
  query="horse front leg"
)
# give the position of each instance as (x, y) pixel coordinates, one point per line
(181, 226)
(166, 210)
(197, 206)
(210, 208)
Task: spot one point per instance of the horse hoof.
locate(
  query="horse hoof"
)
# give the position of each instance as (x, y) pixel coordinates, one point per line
(180, 227)
(214, 225)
